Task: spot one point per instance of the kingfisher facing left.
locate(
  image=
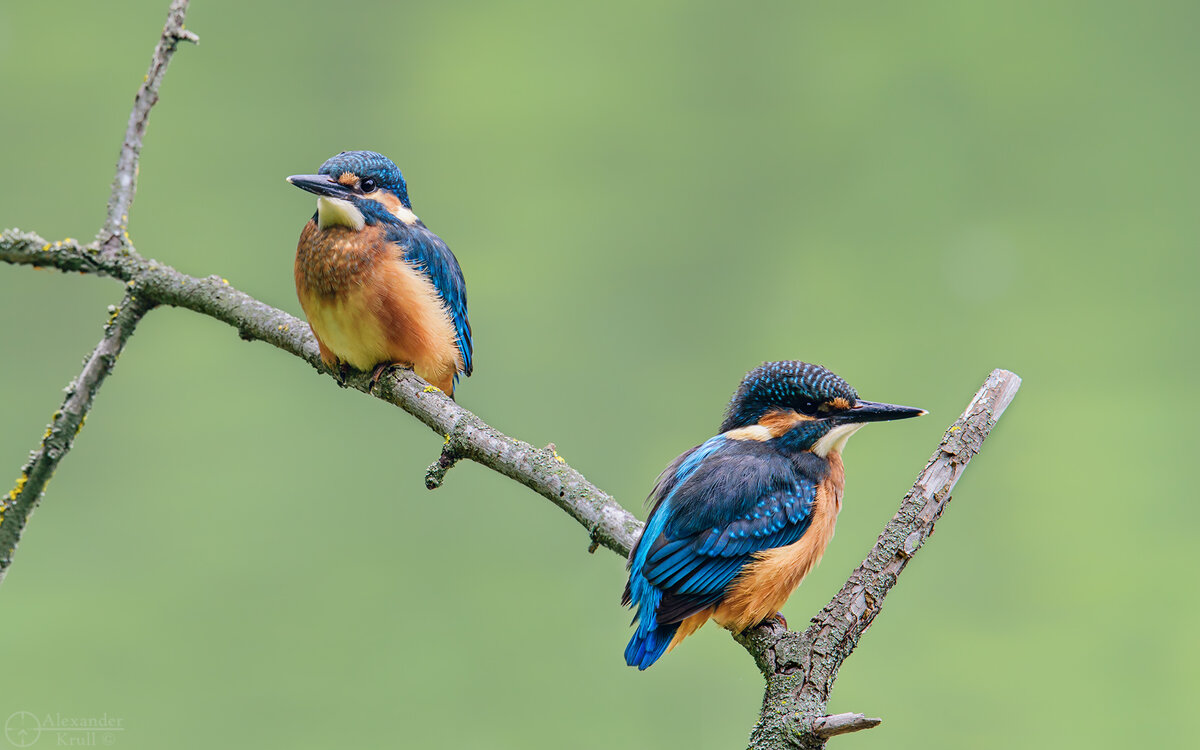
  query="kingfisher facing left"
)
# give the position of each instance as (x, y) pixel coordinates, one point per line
(378, 288)
(739, 520)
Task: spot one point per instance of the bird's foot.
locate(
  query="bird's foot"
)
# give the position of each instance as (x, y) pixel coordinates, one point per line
(776, 619)
(383, 369)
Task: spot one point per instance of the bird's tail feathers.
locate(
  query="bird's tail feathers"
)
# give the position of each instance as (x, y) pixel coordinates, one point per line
(648, 644)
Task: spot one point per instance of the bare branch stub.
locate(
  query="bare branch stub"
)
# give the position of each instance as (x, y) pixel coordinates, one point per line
(831, 726)
(112, 235)
(436, 473)
(19, 502)
(450, 455)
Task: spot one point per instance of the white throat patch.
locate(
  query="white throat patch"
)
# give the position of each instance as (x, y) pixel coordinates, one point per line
(335, 212)
(835, 439)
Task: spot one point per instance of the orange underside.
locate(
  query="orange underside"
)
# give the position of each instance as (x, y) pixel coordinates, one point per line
(386, 312)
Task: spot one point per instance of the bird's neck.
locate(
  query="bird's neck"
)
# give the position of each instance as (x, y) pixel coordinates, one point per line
(835, 479)
(814, 468)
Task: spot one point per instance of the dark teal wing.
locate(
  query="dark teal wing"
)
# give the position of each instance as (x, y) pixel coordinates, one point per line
(693, 571)
(716, 506)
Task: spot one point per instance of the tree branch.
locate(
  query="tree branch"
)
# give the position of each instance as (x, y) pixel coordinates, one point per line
(468, 436)
(18, 503)
(112, 236)
(800, 667)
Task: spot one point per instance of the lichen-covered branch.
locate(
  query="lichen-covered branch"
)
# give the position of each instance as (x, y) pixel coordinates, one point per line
(112, 235)
(800, 668)
(19, 502)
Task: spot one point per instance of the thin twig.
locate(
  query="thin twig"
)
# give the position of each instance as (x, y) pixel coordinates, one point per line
(113, 236)
(18, 503)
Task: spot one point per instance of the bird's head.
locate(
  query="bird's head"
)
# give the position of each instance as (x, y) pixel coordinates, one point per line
(803, 405)
(357, 189)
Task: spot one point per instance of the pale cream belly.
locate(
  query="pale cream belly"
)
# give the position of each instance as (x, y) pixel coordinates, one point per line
(350, 327)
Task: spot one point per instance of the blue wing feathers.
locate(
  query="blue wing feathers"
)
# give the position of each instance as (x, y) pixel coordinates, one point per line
(651, 639)
(424, 249)
(712, 578)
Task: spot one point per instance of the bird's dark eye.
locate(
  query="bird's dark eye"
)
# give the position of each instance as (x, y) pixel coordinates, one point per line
(806, 406)
(367, 185)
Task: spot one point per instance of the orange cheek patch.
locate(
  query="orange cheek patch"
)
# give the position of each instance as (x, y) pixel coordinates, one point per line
(778, 422)
(389, 201)
(348, 179)
(840, 403)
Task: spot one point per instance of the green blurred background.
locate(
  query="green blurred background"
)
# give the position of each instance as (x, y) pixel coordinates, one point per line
(647, 200)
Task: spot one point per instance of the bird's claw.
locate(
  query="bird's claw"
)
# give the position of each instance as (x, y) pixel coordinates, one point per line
(340, 372)
(383, 369)
(376, 374)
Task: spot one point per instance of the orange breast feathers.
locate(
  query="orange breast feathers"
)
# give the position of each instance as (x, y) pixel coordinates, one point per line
(765, 584)
(368, 307)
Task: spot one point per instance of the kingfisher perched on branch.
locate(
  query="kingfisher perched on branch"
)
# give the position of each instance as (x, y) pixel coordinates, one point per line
(378, 288)
(739, 520)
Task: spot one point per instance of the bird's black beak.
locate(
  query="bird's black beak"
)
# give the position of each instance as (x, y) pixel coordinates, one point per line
(322, 184)
(870, 411)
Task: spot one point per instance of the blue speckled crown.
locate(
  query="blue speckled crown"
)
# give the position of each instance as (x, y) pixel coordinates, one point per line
(369, 164)
(790, 385)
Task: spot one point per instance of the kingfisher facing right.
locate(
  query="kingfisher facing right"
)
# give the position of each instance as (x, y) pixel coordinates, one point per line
(739, 520)
(378, 288)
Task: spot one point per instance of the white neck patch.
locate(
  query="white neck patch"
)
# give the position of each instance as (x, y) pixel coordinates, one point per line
(335, 212)
(405, 215)
(835, 439)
